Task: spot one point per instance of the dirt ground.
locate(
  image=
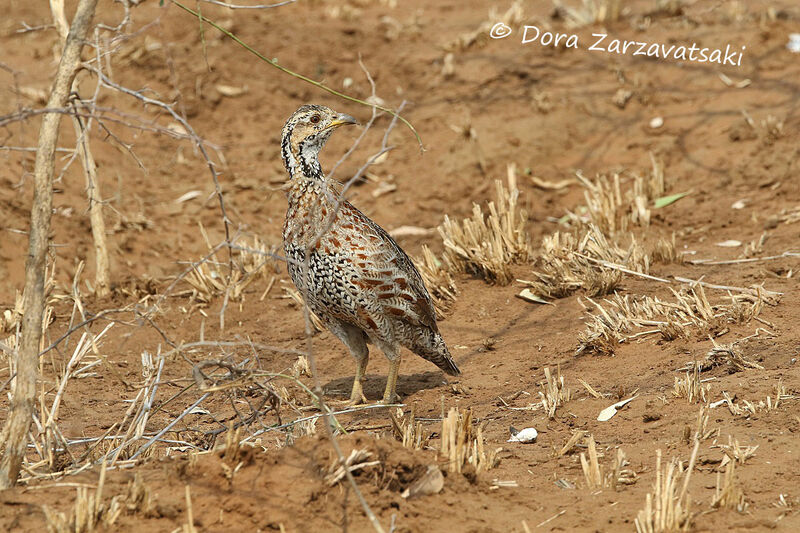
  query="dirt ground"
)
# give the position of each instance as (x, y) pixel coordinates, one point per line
(728, 134)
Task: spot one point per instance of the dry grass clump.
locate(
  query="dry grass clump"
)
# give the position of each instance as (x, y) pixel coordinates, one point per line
(736, 452)
(701, 431)
(728, 493)
(728, 356)
(486, 245)
(513, 16)
(691, 388)
(462, 443)
(768, 130)
(355, 461)
(589, 12)
(554, 392)
(614, 212)
(667, 507)
(567, 264)
(592, 257)
(437, 279)
(621, 318)
(786, 216)
(213, 276)
(90, 512)
(408, 430)
(746, 408)
(595, 475)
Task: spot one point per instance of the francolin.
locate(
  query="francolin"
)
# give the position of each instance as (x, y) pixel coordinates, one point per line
(350, 272)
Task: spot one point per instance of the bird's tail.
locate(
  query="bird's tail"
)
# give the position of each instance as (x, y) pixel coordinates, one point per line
(431, 346)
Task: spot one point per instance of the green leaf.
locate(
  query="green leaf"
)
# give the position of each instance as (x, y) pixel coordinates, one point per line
(664, 201)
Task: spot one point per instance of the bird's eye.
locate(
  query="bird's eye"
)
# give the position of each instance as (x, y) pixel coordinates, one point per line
(315, 119)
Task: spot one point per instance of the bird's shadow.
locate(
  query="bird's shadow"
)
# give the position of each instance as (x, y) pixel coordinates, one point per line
(374, 385)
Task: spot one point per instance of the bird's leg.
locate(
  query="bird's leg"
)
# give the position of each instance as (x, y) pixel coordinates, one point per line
(389, 395)
(357, 396)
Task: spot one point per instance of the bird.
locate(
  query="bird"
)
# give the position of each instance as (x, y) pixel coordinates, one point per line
(350, 272)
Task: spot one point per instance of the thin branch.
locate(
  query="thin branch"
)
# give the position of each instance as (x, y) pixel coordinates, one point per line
(239, 6)
(737, 261)
(275, 64)
(198, 141)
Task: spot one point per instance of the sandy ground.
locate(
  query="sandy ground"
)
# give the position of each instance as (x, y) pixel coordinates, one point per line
(729, 133)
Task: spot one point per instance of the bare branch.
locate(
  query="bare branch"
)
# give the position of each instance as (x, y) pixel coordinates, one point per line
(15, 431)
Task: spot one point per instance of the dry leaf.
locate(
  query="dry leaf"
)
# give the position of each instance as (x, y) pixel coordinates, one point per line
(611, 410)
(731, 243)
(230, 91)
(529, 296)
(191, 195)
(410, 231)
(551, 185)
(739, 204)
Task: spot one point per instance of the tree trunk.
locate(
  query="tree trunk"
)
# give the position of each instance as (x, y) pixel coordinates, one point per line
(14, 436)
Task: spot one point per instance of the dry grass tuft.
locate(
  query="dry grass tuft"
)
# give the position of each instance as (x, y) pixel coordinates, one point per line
(592, 256)
(768, 130)
(622, 318)
(589, 12)
(91, 512)
(613, 211)
(408, 431)
(462, 443)
(595, 475)
(212, 276)
(735, 452)
(591, 467)
(667, 507)
(691, 388)
(355, 461)
(565, 265)
(554, 392)
(729, 356)
(572, 442)
(619, 474)
(728, 493)
(747, 408)
(486, 245)
(513, 16)
(701, 431)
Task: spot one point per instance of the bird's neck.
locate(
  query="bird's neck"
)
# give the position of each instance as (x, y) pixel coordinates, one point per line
(302, 160)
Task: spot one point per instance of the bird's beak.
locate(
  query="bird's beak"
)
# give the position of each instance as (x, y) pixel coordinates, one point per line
(341, 120)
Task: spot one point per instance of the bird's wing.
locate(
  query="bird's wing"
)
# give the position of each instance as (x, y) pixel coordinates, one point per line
(387, 276)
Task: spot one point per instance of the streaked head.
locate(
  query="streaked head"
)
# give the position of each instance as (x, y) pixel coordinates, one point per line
(304, 135)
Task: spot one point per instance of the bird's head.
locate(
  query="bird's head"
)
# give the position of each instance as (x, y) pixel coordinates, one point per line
(304, 135)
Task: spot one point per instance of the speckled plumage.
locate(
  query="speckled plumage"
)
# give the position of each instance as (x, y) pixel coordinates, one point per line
(359, 282)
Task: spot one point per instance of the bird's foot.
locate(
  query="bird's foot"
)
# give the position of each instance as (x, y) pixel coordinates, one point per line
(356, 396)
(344, 404)
(390, 399)
(358, 399)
